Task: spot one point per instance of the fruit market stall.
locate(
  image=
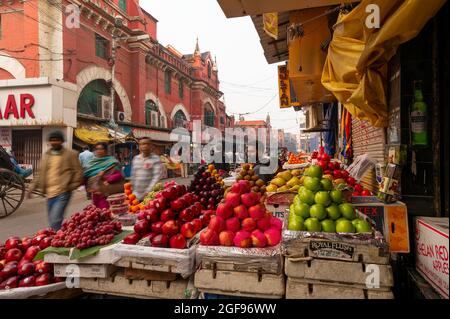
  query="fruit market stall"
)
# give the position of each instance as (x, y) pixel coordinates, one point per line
(21, 276)
(239, 253)
(330, 248)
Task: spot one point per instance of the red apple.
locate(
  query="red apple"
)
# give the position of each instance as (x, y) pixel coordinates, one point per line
(331, 166)
(226, 238)
(224, 210)
(26, 243)
(167, 215)
(37, 239)
(241, 212)
(233, 199)
(131, 239)
(264, 223)
(358, 188)
(258, 211)
(249, 199)
(243, 239)
(10, 283)
(186, 215)
(233, 224)
(248, 224)
(9, 269)
(259, 240)
(12, 242)
(43, 267)
(31, 252)
(152, 215)
(157, 227)
(26, 269)
(29, 281)
(160, 240)
(43, 280)
(273, 236)
(327, 172)
(344, 174)
(366, 193)
(351, 181)
(160, 204)
(209, 238)
(198, 225)
(13, 254)
(217, 224)
(177, 241)
(354, 194)
(170, 228)
(142, 227)
(276, 223)
(188, 230)
(46, 242)
(337, 174)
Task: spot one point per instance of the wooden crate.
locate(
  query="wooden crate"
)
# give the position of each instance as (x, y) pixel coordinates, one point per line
(339, 272)
(84, 270)
(150, 264)
(272, 266)
(119, 285)
(311, 289)
(335, 250)
(241, 284)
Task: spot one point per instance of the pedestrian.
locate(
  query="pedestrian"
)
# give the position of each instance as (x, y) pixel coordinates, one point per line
(59, 175)
(85, 156)
(104, 176)
(146, 169)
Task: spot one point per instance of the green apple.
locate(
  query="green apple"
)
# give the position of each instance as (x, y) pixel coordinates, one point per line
(345, 226)
(328, 226)
(302, 210)
(323, 198)
(333, 212)
(307, 197)
(347, 211)
(336, 196)
(312, 183)
(326, 184)
(313, 225)
(297, 199)
(356, 221)
(318, 211)
(296, 223)
(314, 171)
(363, 227)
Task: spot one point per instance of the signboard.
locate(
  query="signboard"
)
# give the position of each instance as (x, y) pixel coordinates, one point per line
(432, 252)
(5, 138)
(332, 250)
(270, 22)
(284, 86)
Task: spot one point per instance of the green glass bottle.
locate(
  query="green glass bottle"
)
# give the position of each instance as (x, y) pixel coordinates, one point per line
(419, 135)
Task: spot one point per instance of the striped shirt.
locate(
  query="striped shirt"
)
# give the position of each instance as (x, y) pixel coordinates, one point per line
(145, 173)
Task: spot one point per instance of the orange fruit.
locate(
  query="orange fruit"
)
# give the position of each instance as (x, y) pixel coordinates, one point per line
(132, 197)
(128, 192)
(127, 186)
(135, 202)
(134, 209)
(211, 167)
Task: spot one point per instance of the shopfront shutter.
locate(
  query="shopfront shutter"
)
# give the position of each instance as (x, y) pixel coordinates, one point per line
(367, 139)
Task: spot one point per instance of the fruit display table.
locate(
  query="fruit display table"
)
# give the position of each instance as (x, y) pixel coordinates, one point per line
(242, 272)
(33, 292)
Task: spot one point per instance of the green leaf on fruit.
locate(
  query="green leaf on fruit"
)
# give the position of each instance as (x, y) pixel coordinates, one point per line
(52, 250)
(79, 254)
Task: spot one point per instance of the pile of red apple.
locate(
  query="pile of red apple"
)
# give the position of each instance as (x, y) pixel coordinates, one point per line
(241, 220)
(207, 187)
(17, 268)
(91, 227)
(171, 219)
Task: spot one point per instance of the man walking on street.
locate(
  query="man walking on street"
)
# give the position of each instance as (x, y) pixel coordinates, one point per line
(145, 170)
(85, 156)
(60, 174)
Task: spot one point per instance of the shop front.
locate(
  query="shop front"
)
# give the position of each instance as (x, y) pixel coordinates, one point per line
(29, 110)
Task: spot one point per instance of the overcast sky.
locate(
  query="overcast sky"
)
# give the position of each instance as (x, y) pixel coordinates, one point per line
(247, 80)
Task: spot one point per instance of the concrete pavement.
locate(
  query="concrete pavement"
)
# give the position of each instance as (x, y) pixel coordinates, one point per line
(32, 215)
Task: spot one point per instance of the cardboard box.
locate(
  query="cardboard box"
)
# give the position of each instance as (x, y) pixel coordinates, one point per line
(83, 270)
(431, 239)
(391, 220)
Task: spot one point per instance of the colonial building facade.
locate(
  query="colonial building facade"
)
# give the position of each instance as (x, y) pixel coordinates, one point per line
(59, 68)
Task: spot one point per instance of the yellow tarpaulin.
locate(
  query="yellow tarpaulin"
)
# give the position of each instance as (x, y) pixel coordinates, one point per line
(92, 134)
(355, 68)
(270, 21)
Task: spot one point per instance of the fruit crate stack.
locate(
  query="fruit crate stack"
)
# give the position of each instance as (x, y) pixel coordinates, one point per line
(347, 266)
(240, 272)
(148, 272)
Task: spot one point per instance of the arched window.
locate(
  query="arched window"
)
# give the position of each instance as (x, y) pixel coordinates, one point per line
(208, 115)
(123, 5)
(89, 100)
(179, 119)
(151, 113)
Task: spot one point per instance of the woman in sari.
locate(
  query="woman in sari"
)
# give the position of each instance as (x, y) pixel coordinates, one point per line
(101, 172)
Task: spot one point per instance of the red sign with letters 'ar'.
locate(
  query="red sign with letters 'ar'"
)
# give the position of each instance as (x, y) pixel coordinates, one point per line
(18, 110)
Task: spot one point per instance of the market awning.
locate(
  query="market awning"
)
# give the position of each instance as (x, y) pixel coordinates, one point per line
(355, 69)
(240, 8)
(91, 133)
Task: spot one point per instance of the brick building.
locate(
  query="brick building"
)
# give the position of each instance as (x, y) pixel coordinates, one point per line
(57, 73)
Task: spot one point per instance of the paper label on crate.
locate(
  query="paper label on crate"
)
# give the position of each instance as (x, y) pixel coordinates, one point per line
(332, 250)
(279, 215)
(432, 257)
